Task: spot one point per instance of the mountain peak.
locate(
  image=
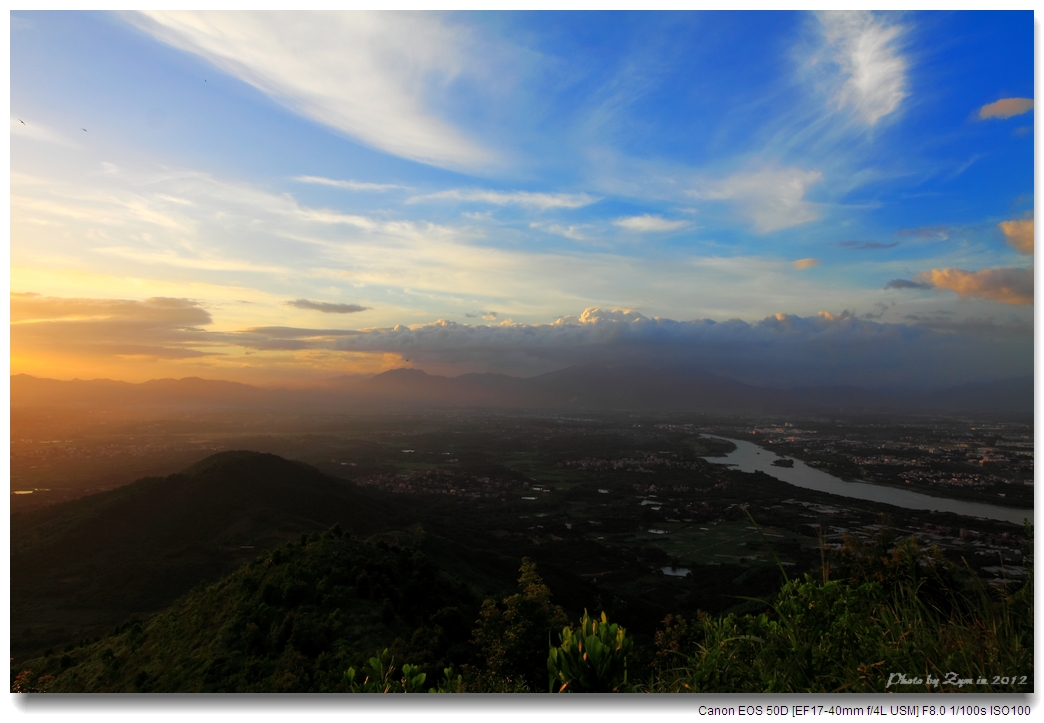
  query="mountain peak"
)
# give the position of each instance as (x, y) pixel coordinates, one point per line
(405, 372)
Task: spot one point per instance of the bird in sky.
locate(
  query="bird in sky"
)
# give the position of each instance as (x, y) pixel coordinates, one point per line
(84, 130)
(21, 121)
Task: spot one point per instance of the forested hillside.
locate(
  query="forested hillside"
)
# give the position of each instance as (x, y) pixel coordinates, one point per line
(331, 613)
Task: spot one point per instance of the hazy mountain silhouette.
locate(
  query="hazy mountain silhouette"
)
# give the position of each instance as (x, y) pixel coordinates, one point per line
(591, 387)
(639, 388)
(28, 390)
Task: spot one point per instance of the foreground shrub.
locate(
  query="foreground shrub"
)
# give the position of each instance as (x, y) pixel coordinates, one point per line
(513, 635)
(828, 636)
(591, 659)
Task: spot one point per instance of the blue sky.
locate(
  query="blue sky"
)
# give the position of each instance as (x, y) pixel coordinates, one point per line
(274, 197)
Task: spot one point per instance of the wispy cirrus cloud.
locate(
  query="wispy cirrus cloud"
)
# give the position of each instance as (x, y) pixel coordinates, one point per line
(326, 307)
(773, 198)
(177, 313)
(576, 232)
(804, 263)
(649, 223)
(368, 75)
(866, 245)
(36, 131)
(106, 209)
(873, 72)
(350, 185)
(542, 201)
(1006, 108)
(202, 261)
(934, 233)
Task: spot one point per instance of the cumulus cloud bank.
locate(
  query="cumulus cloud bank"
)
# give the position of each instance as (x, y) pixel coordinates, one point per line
(1006, 108)
(778, 350)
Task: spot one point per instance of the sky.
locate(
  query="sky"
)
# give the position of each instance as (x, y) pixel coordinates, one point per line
(279, 198)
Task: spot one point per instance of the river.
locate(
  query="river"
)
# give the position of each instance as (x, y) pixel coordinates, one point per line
(749, 457)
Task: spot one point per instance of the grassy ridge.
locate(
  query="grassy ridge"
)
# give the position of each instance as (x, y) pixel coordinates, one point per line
(308, 615)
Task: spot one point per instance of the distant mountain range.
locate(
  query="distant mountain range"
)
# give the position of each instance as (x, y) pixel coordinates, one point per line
(578, 388)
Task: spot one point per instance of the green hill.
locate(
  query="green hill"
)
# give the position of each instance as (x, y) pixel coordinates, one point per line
(291, 620)
(81, 567)
(92, 562)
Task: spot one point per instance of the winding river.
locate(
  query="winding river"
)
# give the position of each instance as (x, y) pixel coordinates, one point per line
(749, 457)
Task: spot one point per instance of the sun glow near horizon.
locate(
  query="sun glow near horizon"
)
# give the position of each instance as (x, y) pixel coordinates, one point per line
(232, 206)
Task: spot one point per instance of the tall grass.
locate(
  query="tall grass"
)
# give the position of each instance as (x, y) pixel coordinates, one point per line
(918, 622)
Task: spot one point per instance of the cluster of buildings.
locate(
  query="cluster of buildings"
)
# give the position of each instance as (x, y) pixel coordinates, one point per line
(642, 462)
(441, 482)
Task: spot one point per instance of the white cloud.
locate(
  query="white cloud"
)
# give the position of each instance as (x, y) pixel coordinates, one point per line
(772, 198)
(543, 201)
(114, 210)
(365, 74)
(576, 232)
(348, 185)
(202, 262)
(647, 223)
(873, 71)
(237, 233)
